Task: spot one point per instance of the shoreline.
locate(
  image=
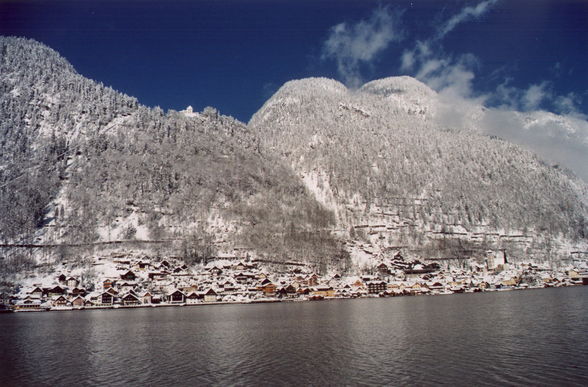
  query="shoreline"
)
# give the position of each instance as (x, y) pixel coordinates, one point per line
(11, 309)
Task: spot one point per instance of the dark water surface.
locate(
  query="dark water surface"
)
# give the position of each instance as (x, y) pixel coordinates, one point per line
(535, 337)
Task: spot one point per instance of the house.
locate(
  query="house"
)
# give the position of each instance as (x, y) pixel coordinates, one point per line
(210, 296)
(303, 291)
(130, 299)
(156, 298)
(418, 289)
(383, 269)
(62, 279)
(59, 301)
(239, 267)
(269, 289)
(177, 297)
(78, 302)
(106, 298)
(158, 276)
(112, 291)
(107, 283)
(287, 291)
(194, 298)
(72, 282)
(128, 276)
(358, 284)
(376, 287)
(56, 291)
(241, 278)
(228, 286)
(36, 292)
(164, 265)
(143, 266)
(28, 304)
(323, 291)
(215, 271)
(78, 292)
(437, 286)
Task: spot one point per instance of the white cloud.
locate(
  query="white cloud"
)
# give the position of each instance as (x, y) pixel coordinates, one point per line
(465, 14)
(515, 116)
(568, 104)
(558, 139)
(561, 139)
(534, 95)
(354, 45)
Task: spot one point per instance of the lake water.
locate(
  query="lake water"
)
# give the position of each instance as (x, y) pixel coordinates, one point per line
(534, 337)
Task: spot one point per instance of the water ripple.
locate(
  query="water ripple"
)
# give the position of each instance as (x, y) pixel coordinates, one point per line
(516, 338)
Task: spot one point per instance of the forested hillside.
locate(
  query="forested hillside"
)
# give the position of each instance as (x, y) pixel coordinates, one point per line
(321, 174)
(379, 157)
(82, 163)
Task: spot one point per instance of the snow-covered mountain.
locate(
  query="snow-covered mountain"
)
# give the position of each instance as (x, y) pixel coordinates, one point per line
(396, 174)
(83, 166)
(321, 174)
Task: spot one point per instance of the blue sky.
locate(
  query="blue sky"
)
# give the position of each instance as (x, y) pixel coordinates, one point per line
(233, 54)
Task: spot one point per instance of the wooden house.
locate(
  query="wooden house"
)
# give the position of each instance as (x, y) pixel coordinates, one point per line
(376, 287)
(106, 298)
(143, 266)
(268, 288)
(158, 276)
(78, 292)
(62, 279)
(56, 291)
(36, 292)
(215, 271)
(59, 301)
(323, 291)
(290, 289)
(177, 297)
(29, 304)
(437, 286)
(112, 291)
(164, 265)
(383, 269)
(210, 295)
(107, 283)
(303, 291)
(240, 266)
(194, 298)
(130, 299)
(78, 302)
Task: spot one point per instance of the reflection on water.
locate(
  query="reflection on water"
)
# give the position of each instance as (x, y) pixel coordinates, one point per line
(528, 337)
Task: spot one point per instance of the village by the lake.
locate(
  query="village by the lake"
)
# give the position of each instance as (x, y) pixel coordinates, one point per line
(129, 281)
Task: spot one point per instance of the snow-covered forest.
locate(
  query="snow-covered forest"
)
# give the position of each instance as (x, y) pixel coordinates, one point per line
(318, 174)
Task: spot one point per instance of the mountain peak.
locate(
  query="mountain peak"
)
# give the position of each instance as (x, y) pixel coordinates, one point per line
(398, 86)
